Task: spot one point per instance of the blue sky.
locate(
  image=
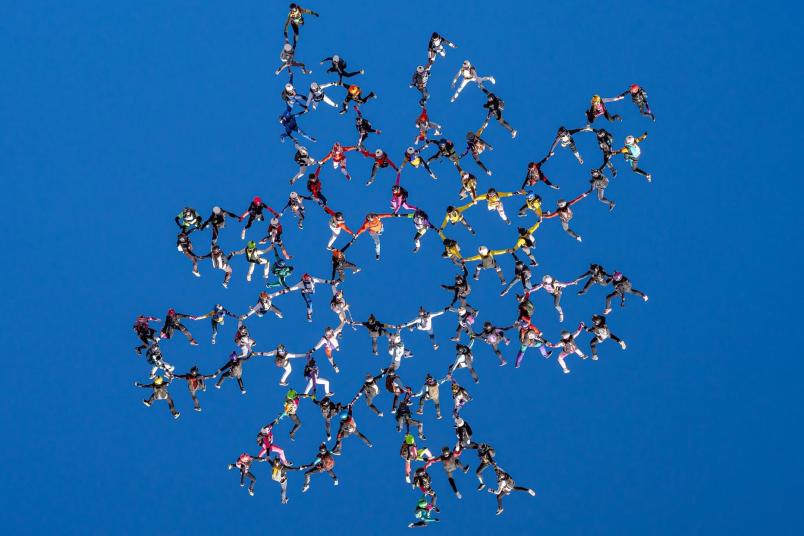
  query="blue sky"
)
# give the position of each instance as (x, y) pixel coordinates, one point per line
(116, 116)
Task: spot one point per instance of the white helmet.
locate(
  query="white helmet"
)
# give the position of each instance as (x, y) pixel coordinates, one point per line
(483, 250)
(547, 279)
(410, 150)
(419, 69)
(293, 195)
(289, 88)
(459, 421)
(629, 140)
(216, 210)
(336, 58)
(274, 221)
(466, 64)
(314, 86)
(288, 47)
(565, 334)
(378, 153)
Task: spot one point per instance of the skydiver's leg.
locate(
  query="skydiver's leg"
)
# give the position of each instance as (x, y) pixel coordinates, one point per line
(557, 305)
(586, 286)
(365, 440)
(296, 424)
(566, 227)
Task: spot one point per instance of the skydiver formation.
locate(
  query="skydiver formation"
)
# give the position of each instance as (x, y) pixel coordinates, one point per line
(270, 253)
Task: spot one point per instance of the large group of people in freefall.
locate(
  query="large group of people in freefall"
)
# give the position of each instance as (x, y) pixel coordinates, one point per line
(270, 252)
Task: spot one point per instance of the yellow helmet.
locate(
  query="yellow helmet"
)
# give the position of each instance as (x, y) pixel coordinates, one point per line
(158, 380)
(595, 99)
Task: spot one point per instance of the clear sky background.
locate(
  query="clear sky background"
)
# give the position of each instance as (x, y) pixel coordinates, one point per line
(116, 115)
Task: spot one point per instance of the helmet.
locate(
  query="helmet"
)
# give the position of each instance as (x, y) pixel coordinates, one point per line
(274, 221)
(634, 88)
(257, 200)
(561, 203)
(595, 172)
(371, 216)
(339, 215)
(314, 86)
(369, 377)
(336, 58)
(378, 153)
(322, 448)
(466, 64)
(396, 188)
(491, 191)
(354, 90)
(565, 334)
(419, 69)
(233, 356)
(188, 210)
(194, 370)
(409, 439)
(470, 135)
(421, 503)
(531, 196)
(344, 415)
(288, 47)
(445, 450)
(289, 88)
(263, 295)
(306, 277)
(483, 250)
(291, 394)
(171, 311)
(158, 380)
(617, 276)
(216, 210)
(459, 421)
(629, 140)
(595, 99)
(442, 144)
(522, 231)
(420, 471)
(410, 150)
(294, 195)
(598, 319)
(218, 307)
(251, 245)
(547, 278)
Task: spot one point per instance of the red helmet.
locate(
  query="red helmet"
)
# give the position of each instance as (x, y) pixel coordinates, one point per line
(354, 90)
(257, 200)
(634, 88)
(171, 312)
(306, 277)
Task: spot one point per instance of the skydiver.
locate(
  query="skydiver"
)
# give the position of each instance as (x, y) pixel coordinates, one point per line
(622, 286)
(601, 332)
(218, 221)
(467, 73)
(564, 212)
(217, 317)
(195, 382)
(565, 139)
(160, 392)
(243, 463)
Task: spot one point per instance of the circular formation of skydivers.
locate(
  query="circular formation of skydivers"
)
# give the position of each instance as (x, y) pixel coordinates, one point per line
(270, 253)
